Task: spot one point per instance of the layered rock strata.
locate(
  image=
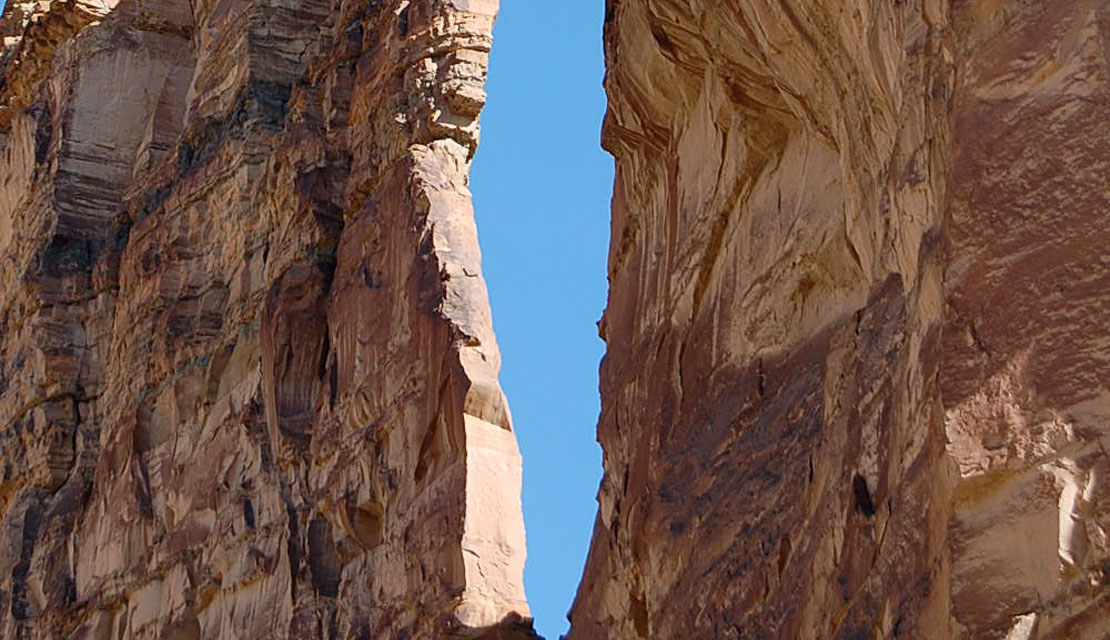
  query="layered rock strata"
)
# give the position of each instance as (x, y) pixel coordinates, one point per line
(856, 382)
(249, 383)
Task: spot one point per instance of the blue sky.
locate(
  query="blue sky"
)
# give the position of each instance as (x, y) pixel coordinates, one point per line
(542, 187)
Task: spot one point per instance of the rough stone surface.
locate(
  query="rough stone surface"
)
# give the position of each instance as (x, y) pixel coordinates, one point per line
(857, 372)
(857, 382)
(1026, 384)
(248, 381)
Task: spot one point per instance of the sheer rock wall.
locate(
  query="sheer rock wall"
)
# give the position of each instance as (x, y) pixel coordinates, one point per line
(857, 375)
(1026, 383)
(857, 385)
(248, 379)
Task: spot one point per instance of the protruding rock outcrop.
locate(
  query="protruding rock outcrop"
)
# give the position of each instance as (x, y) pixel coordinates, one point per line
(249, 382)
(771, 421)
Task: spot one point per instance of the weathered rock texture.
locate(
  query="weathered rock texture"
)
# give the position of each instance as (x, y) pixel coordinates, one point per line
(248, 382)
(858, 379)
(1026, 373)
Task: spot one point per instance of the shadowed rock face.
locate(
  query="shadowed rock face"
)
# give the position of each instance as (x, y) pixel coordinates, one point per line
(857, 376)
(248, 381)
(1026, 388)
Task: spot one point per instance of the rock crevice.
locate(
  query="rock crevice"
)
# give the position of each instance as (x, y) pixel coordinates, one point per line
(856, 380)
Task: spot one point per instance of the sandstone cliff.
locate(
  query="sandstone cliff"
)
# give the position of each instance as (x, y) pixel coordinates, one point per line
(857, 382)
(248, 380)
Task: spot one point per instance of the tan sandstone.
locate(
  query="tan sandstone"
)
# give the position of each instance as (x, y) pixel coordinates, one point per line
(249, 383)
(857, 382)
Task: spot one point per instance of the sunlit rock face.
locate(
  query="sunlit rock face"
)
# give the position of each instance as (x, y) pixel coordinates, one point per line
(857, 372)
(248, 380)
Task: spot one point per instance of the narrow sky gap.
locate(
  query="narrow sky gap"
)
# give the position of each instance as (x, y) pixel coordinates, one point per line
(542, 187)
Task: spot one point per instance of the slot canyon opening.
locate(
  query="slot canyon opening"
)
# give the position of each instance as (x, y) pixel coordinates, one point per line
(855, 377)
(542, 188)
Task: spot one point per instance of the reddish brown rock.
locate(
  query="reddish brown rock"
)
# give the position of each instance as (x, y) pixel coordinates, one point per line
(249, 381)
(1026, 388)
(856, 384)
(857, 375)
(771, 422)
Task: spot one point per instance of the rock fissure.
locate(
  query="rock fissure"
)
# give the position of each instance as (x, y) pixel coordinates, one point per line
(855, 382)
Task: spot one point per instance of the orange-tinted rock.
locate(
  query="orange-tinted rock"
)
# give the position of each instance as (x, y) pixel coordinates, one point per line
(771, 422)
(249, 382)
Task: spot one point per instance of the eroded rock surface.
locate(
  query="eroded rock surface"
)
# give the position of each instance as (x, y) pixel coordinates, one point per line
(857, 372)
(1026, 384)
(249, 382)
(857, 378)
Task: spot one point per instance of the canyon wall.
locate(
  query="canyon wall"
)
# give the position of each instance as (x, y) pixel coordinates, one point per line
(857, 381)
(1026, 373)
(248, 380)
